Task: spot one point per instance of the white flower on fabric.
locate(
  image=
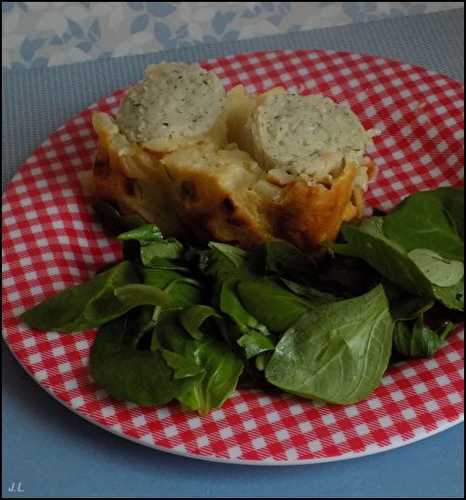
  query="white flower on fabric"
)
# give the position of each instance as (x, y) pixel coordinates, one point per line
(13, 40)
(52, 21)
(10, 43)
(41, 5)
(142, 38)
(10, 22)
(330, 16)
(238, 5)
(196, 32)
(117, 15)
(76, 55)
(258, 28)
(190, 13)
(101, 8)
(122, 49)
(76, 12)
(71, 55)
(136, 44)
(184, 12)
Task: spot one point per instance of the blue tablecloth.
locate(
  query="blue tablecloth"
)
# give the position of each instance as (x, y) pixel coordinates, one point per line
(50, 452)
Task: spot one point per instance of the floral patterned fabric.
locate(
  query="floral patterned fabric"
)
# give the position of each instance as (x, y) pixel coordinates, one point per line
(53, 33)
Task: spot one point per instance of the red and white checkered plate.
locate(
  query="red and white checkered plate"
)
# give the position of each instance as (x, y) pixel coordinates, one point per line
(51, 242)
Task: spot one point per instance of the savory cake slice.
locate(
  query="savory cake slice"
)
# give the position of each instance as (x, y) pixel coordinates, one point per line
(236, 168)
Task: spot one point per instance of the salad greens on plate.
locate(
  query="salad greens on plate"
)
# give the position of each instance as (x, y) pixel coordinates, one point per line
(186, 323)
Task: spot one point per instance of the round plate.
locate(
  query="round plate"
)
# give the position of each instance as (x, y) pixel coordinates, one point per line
(51, 242)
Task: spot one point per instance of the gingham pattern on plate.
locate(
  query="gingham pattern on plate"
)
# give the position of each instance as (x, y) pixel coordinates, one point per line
(51, 242)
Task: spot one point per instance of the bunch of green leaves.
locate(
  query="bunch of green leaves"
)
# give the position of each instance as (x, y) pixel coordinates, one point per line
(190, 324)
(418, 250)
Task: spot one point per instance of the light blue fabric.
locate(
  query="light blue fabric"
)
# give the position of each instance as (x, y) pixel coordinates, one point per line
(54, 453)
(54, 33)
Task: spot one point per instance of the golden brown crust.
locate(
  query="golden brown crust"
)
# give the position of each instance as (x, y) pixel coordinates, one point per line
(134, 180)
(357, 203)
(309, 215)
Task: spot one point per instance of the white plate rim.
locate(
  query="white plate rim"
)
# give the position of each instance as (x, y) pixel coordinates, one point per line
(235, 461)
(399, 442)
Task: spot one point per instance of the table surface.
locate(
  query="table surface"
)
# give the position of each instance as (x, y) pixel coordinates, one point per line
(54, 453)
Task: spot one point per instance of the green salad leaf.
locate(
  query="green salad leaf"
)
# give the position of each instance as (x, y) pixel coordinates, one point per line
(337, 352)
(224, 262)
(418, 272)
(452, 297)
(272, 305)
(284, 259)
(262, 360)
(453, 202)
(404, 306)
(416, 340)
(438, 270)
(140, 295)
(207, 371)
(84, 306)
(141, 324)
(430, 220)
(222, 371)
(367, 241)
(181, 290)
(155, 251)
(195, 316)
(308, 292)
(183, 366)
(255, 343)
(230, 304)
(145, 234)
(161, 278)
(126, 373)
